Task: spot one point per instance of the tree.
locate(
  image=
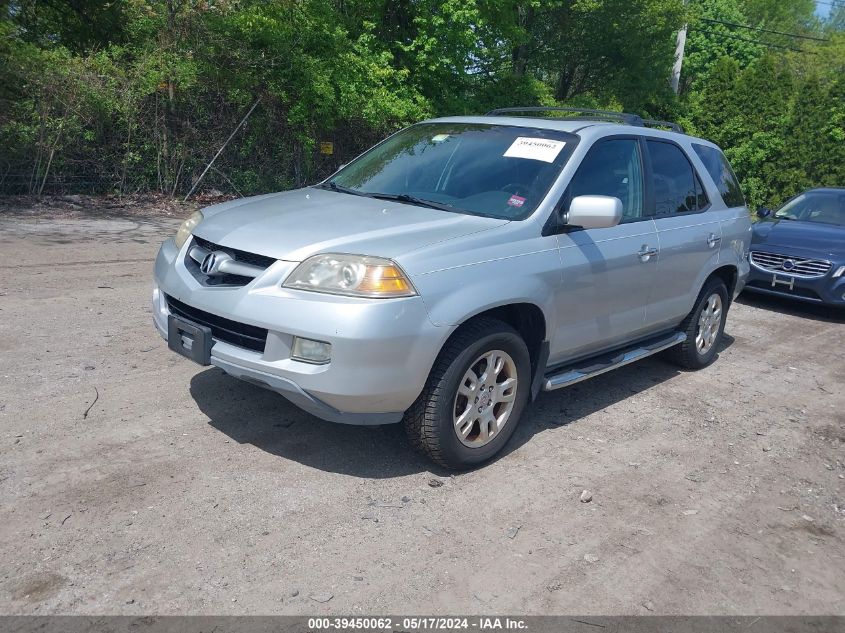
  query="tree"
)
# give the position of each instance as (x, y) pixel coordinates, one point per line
(616, 49)
(78, 25)
(836, 20)
(795, 16)
(709, 41)
(136, 95)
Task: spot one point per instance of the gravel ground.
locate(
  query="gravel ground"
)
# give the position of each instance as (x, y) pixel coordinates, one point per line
(134, 482)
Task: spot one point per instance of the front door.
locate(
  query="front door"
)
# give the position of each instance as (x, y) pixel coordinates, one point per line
(607, 273)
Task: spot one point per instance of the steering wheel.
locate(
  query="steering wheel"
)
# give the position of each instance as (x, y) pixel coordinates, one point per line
(515, 188)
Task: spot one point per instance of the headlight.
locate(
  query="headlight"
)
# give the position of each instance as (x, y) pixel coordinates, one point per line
(839, 272)
(187, 227)
(351, 275)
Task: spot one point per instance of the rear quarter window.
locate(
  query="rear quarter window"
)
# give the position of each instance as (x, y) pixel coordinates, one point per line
(720, 171)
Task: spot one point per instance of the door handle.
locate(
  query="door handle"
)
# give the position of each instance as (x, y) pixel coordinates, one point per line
(646, 253)
(712, 240)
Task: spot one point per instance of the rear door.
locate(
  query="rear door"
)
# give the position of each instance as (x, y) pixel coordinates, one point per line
(688, 234)
(606, 273)
(733, 213)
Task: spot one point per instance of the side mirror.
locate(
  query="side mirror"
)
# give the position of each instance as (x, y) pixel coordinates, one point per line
(764, 212)
(594, 212)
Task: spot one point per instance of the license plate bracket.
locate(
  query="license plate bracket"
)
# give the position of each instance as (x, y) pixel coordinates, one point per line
(191, 340)
(787, 281)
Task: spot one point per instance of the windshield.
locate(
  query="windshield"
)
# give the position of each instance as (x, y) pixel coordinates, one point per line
(827, 207)
(493, 170)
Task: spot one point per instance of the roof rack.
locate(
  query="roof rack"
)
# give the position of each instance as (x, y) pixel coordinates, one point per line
(601, 115)
(594, 115)
(675, 127)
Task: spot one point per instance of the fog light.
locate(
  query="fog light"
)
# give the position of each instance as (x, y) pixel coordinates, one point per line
(310, 351)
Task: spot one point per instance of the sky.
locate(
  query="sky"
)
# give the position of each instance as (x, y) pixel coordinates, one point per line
(823, 10)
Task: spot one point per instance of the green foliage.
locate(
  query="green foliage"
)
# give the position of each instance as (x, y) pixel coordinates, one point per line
(836, 21)
(611, 49)
(78, 25)
(508, 90)
(780, 15)
(135, 95)
(709, 42)
(782, 133)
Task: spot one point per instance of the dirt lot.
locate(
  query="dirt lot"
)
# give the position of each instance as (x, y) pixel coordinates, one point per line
(185, 491)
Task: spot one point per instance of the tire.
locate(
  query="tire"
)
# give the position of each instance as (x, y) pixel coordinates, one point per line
(690, 354)
(433, 420)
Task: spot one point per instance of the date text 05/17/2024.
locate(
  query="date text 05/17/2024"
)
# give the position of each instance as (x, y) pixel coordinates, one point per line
(417, 624)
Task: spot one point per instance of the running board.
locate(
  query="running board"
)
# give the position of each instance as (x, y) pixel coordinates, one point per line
(576, 373)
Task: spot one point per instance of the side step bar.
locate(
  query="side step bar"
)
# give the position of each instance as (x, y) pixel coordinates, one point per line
(572, 374)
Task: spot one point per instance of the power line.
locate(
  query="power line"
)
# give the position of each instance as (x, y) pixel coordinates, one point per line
(758, 42)
(757, 28)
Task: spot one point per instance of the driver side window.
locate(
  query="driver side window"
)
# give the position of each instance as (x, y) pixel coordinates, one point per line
(612, 168)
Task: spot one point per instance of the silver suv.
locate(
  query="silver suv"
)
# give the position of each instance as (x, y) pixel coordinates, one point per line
(452, 272)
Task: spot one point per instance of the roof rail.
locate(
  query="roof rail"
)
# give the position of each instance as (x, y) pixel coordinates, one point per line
(675, 127)
(597, 115)
(630, 119)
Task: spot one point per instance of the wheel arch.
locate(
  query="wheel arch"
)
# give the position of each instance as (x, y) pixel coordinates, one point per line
(729, 274)
(529, 320)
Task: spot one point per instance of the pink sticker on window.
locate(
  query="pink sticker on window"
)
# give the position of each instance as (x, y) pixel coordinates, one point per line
(516, 201)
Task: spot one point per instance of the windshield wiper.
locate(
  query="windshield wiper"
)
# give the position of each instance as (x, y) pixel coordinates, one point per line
(404, 197)
(420, 202)
(398, 197)
(341, 189)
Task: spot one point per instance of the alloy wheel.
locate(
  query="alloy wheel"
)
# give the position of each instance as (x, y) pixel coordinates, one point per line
(709, 322)
(485, 398)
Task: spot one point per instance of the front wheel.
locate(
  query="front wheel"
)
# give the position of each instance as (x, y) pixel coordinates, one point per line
(704, 327)
(474, 396)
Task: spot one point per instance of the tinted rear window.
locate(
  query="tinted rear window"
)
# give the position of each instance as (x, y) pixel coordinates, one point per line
(720, 171)
(675, 183)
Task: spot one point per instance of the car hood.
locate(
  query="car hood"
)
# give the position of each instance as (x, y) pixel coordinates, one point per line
(821, 239)
(296, 224)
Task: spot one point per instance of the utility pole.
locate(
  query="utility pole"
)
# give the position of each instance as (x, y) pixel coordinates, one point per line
(680, 43)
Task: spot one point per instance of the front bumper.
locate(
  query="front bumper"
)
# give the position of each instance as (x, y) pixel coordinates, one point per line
(382, 349)
(825, 289)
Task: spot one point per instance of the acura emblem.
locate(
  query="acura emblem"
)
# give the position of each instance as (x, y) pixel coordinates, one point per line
(211, 263)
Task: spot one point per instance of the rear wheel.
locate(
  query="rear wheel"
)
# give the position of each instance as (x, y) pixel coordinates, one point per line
(474, 396)
(704, 327)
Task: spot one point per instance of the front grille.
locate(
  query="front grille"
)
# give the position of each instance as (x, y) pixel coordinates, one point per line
(242, 256)
(797, 266)
(225, 279)
(240, 334)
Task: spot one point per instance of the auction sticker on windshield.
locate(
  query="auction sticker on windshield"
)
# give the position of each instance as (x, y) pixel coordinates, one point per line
(535, 148)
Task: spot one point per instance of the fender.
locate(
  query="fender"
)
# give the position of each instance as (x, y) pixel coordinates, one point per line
(455, 295)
